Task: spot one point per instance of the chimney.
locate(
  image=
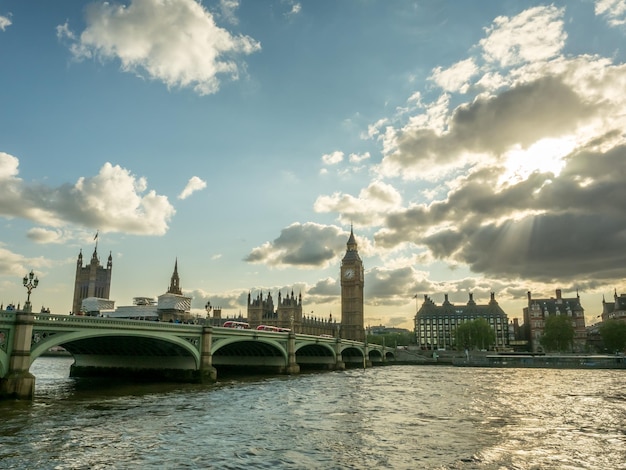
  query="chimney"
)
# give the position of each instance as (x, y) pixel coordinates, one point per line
(558, 294)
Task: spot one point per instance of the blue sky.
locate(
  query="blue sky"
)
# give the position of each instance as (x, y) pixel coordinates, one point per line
(474, 146)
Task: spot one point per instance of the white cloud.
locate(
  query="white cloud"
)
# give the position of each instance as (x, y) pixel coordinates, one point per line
(374, 130)
(369, 208)
(228, 9)
(358, 158)
(42, 235)
(64, 32)
(332, 158)
(534, 35)
(194, 184)
(4, 23)
(13, 264)
(613, 10)
(294, 7)
(456, 77)
(175, 41)
(114, 201)
(8, 166)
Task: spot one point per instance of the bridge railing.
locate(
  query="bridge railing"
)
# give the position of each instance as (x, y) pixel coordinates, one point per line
(51, 319)
(9, 316)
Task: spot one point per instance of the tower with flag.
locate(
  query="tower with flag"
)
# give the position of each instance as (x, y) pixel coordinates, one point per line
(92, 280)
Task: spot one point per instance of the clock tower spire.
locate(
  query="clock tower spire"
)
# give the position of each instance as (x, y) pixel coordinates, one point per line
(352, 282)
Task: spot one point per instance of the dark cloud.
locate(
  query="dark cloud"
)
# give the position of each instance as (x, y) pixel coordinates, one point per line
(553, 247)
(304, 245)
(385, 286)
(544, 228)
(546, 107)
(328, 288)
(528, 112)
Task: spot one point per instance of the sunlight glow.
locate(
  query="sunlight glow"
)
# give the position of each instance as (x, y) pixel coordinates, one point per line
(546, 155)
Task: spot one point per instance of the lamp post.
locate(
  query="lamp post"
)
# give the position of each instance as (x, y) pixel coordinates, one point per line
(30, 282)
(208, 307)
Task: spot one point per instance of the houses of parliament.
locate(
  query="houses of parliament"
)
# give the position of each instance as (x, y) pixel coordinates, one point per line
(93, 281)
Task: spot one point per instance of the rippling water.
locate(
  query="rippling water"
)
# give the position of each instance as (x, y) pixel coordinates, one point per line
(400, 417)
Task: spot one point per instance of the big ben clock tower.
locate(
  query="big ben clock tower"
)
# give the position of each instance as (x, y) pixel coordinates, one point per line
(352, 281)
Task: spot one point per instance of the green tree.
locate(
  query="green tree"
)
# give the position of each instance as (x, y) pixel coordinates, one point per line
(613, 333)
(558, 333)
(475, 334)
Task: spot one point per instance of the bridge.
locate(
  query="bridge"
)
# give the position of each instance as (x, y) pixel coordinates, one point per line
(160, 350)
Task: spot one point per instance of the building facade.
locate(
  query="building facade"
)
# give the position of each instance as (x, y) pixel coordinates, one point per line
(287, 313)
(615, 310)
(352, 276)
(435, 325)
(538, 310)
(93, 280)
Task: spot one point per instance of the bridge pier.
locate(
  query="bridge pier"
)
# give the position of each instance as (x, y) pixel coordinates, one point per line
(207, 373)
(19, 383)
(292, 366)
(367, 362)
(339, 364)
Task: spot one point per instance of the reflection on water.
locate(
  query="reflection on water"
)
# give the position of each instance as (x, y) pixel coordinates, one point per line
(396, 417)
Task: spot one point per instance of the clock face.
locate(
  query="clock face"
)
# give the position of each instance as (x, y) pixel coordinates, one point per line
(349, 274)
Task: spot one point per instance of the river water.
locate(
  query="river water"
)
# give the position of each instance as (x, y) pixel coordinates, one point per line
(398, 417)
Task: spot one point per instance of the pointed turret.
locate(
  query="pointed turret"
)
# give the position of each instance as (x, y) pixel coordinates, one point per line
(352, 246)
(352, 252)
(94, 257)
(175, 281)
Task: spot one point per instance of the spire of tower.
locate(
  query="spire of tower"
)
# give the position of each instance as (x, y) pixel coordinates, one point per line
(352, 246)
(175, 281)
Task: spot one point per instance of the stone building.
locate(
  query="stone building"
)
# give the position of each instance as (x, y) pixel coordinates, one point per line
(435, 325)
(92, 280)
(287, 313)
(615, 310)
(538, 310)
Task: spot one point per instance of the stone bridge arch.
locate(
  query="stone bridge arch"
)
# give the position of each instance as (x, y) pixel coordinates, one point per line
(119, 343)
(242, 352)
(316, 354)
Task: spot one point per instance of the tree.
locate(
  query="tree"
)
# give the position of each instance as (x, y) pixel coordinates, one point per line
(475, 334)
(613, 333)
(558, 333)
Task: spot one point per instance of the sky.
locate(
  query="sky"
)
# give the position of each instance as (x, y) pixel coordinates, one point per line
(474, 147)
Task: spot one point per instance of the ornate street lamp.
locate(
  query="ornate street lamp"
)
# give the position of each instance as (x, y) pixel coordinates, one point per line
(30, 284)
